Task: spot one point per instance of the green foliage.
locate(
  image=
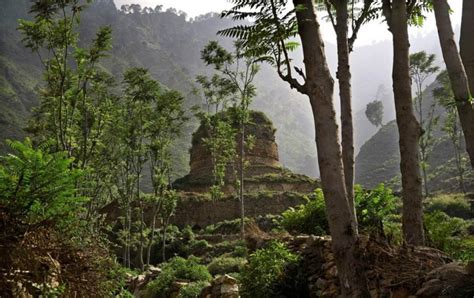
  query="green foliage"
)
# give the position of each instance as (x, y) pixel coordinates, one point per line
(421, 68)
(449, 234)
(225, 227)
(228, 248)
(36, 186)
(451, 126)
(197, 247)
(193, 289)
(374, 112)
(224, 265)
(309, 218)
(76, 98)
(265, 267)
(273, 26)
(177, 268)
(230, 85)
(147, 119)
(375, 207)
(454, 205)
(240, 251)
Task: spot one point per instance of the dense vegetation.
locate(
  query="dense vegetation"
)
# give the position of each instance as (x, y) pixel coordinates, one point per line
(87, 198)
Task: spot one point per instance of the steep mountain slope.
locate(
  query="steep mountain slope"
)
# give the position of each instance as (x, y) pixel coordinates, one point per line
(169, 46)
(379, 158)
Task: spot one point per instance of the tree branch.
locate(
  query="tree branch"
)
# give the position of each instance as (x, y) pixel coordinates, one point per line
(357, 23)
(330, 16)
(387, 12)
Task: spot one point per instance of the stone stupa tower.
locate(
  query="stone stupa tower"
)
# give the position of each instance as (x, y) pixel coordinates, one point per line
(263, 173)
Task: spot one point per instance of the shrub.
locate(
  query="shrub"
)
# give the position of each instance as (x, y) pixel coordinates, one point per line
(449, 234)
(454, 205)
(198, 247)
(240, 250)
(192, 290)
(225, 227)
(234, 248)
(375, 208)
(177, 268)
(36, 186)
(269, 223)
(188, 233)
(265, 267)
(309, 218)
(223, 265)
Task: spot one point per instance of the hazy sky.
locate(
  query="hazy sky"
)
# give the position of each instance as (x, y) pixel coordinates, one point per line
(370, 33)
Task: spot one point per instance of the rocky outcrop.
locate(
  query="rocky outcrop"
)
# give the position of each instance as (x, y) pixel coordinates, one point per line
(222, 287)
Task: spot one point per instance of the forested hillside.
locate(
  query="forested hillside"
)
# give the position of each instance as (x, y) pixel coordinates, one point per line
(167, 44)
(379, 158)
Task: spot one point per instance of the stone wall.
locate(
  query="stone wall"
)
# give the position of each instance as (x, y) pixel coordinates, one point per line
(196, 212)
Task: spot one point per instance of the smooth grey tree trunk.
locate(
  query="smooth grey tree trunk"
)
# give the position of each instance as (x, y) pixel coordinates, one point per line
(242, 187)
(457, 73)
(345, 95)
(152, 238)
(408, 127)
(466, 42)
(319, 87)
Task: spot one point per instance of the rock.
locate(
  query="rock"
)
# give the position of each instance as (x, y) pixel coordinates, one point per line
(137, 284)
(154, 270)
(175, 287)
(450, 280)
(222, 287)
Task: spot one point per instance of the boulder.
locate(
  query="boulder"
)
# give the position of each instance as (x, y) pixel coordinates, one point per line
(223, 286)
(450, 280)
(137, 284)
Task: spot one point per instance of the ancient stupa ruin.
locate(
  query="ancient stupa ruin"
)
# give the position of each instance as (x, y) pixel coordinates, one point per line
(269, 187)
(263, 173)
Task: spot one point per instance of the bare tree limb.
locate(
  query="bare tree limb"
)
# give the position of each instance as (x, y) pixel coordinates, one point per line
(357, 23)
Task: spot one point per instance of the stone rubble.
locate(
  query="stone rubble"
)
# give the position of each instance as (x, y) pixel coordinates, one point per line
(223, 286)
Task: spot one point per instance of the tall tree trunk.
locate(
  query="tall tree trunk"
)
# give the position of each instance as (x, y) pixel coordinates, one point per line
(152, 238)
(125, 245)
(466, 42)
(163, 248)
(129, 233)
(408, 127)
(344, 78)
(320, 87)
(242, 188)
(457, 73)
(142, 227)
